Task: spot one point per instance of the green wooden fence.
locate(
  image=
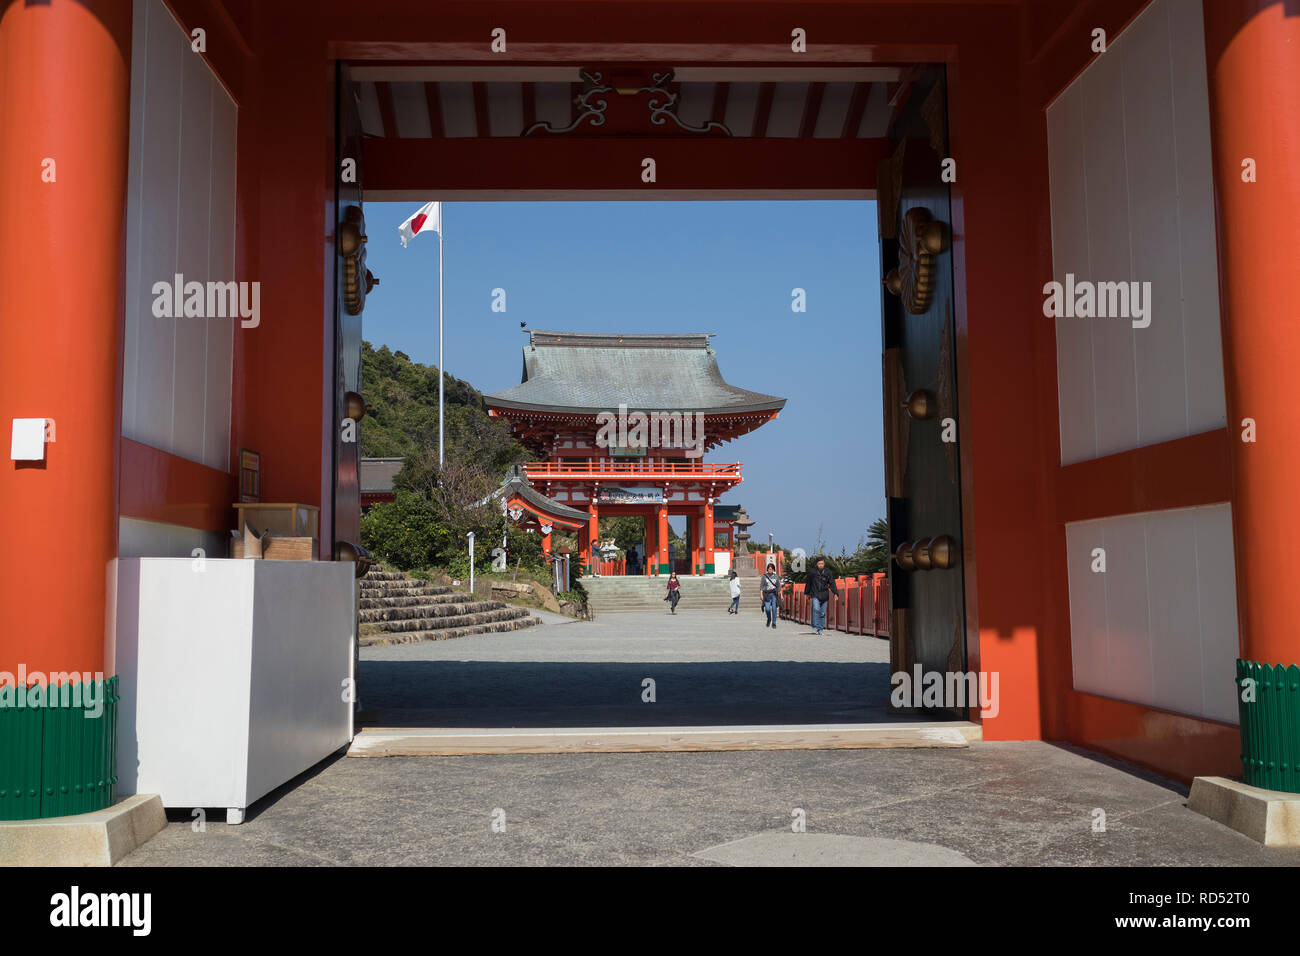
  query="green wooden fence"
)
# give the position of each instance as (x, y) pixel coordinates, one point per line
(1268, 699)
(55, 760)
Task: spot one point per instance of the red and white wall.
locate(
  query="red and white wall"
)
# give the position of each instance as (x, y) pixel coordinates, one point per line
(1132, 200)
(176, 374)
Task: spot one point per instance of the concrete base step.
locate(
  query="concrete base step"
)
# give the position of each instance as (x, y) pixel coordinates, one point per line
(98, 838)
(441, 742)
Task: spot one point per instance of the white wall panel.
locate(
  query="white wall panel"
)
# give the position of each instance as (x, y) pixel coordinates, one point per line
(1216, 604)
(1128, 623)
(1172, 575)
(1202, 340)
(189, 391)
(1087, 610)
(220, 333)
(1159, 625)
(153, 187)
(1132, 201)
(137, 539)
(180, 219)
(1109, 253)
(1153, 226)
(1069, 199)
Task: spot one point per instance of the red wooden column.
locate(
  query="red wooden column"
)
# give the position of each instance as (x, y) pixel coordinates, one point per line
(592, 555)
(690, 538)
(65, 81)
(662, 539)
(651, 549)
(1253, 64)
(709, 566)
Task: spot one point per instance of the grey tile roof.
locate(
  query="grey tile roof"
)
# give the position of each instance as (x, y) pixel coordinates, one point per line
(586, 373)
(376, 474)
(516, 483)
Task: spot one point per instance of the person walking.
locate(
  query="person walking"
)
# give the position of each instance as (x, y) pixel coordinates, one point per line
(674, 591)
(769, 585)
(819, 586)
(734, 582)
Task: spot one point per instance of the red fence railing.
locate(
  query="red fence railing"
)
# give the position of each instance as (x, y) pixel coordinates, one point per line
(861, 607)
(631, 468)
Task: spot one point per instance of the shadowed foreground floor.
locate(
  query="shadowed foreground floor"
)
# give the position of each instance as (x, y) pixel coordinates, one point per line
(991, 804)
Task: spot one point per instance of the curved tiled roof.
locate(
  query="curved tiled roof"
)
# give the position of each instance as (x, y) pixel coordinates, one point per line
(588, 372)
(516, 483)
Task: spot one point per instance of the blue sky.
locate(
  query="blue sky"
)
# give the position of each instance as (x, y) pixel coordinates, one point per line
(723, 267)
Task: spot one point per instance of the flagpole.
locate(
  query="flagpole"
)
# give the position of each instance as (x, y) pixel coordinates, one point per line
(441, 226)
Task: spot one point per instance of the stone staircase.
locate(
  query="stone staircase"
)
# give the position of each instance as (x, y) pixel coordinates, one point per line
(615, 594)
(396, 609)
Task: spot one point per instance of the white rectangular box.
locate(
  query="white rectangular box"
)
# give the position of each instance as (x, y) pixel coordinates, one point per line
(231, 674)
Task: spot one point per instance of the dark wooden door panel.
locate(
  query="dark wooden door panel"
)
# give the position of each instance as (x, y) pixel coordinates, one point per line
(922, 473)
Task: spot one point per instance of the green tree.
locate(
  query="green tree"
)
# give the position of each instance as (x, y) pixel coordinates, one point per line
(403, 419)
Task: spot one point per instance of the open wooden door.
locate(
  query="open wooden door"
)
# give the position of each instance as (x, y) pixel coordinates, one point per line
(922, 471)
(352, 281)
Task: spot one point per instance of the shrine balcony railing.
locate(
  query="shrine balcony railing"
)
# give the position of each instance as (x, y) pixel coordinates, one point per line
(633, 468)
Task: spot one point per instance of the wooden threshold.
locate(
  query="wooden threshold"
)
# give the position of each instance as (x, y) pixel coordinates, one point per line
(448, 742)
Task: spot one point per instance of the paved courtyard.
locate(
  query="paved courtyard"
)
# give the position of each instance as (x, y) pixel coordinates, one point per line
(708, 668)
(989, 804)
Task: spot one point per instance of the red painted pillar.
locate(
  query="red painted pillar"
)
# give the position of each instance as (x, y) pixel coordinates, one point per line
(593, 534)
(65, 81)
(1253, 64)
(709, 566)
(662, 539)
(651, 549)
(693, 537)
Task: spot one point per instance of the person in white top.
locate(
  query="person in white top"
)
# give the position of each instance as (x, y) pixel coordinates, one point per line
(735, 592)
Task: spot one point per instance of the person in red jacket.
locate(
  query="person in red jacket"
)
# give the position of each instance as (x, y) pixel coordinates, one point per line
(674, 591)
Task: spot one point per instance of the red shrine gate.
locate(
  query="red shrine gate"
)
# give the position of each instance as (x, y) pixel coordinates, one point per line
(1067, 432)
(622, 422)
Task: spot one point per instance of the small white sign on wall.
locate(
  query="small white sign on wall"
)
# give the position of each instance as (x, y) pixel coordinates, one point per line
(28, 440)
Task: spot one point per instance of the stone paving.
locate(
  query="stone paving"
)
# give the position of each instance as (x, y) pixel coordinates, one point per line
(709, 668)
(990, 804)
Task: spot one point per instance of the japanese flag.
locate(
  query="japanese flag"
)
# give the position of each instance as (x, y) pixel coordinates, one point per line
(428, 218)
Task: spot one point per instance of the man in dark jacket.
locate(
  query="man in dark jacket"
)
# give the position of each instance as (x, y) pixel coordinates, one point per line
(819, 586)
